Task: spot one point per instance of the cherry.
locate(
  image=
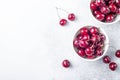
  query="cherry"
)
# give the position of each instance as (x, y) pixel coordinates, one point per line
(118, 3)
(84, 31)
(76, 43)
(117, 54)
(95, 38)
(99, 51)
(100, 16)
(91, 57)
(81, 52)
(102, 36)
(110, 18)
(89, 51)
(80, 37)
(113, 7)
(66, 63)
(118, 11)
(93, 6)
(96, 12)
(100, 2)
(106, 59)
(71, 17)
(94, 30)
(111, 1)
(83, 44)
(113, 66)
(104, 9)
(63, 22)
(100, 44)
(86, 37)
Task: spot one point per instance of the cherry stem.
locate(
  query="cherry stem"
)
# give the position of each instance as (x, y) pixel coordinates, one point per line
(62, 10)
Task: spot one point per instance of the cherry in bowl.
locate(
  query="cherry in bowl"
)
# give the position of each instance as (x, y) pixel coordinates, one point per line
(105, 11)
(90, 43)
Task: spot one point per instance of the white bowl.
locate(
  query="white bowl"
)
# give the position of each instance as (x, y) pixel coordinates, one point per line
(105, 47)
(104, 23)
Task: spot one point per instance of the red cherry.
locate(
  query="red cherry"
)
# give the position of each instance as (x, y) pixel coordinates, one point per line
(96, 12)
(91, 57)
(76, 43)
(89, 51)
(84, 31)
(118, 11)
(110, 18)
(83, 44)
(100, 16)
(113, 7)
(99, 52)
(117, 54)
(94, 30)
(66, 63)
(106, 59)
(95, 38)
(80, 37)
(111, 1)
(86, 37)
(113, 66)
(102, 37)
(71, 17)
(93, 6)
(63, 22)
(81, 52)
(118, 3)
(104, 9)
(100, 2)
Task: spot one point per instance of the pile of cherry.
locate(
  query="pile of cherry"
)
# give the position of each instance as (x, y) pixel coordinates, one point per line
(105, 10)
(89, 42)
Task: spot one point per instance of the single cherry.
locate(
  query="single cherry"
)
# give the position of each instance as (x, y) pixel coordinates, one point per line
(110, 18)
(99, 51)
(113, 7)
(83, 43)
(66, 63)
(76, 43)
(89, 51)
(94, 30)
(104, 9)
(93, 6)
(86, 37)
(95, 38)
(113, 66)
(96, 12)
(117, 54)
(71, 17)
(100, 2)
(106, 59)
(63, 22)
(81, 52)
(84, 31)
(100, 16)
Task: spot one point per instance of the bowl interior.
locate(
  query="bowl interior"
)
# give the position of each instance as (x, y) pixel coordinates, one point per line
(105, 23)
(105, 47)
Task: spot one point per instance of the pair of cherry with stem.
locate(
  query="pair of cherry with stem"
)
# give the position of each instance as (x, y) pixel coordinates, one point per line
(63, 21)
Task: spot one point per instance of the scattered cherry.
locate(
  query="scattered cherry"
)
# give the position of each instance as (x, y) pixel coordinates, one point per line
(106, 59)
(117, 54)
(113, 66)
(63, 22)
(66, 63)
(71, 17)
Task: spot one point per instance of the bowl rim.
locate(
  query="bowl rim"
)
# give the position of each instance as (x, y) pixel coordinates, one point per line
(117, 19)
(105, 47)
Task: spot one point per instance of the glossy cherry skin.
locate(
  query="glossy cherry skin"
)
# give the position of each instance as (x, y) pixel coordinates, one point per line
(76, 43)
(66, 63)
(89, 51)
(84, 31)
(113, 66)
(110, 18)
(63, 22)
(95, 38)
(93, 6)
(105, 9)
(100, 2)
(83, 44)
(102, 37)
(71, 17)
(86, 37)
(99, 52)
(91, 57)
(113, 8)
(118, 11)
(118, 2)
(117, 54)
(94, 30)
(100, 16)
(81, 52)
(95, 12)
(106, 59)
